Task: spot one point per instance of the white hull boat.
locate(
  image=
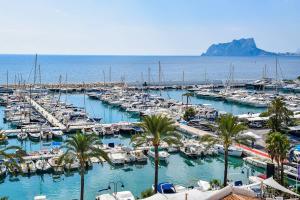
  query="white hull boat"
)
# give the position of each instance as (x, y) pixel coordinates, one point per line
(203, 185)
(22, 136)
(42, 166)
(28, 167)
(57, 167)
(232, 151)
(163, 155)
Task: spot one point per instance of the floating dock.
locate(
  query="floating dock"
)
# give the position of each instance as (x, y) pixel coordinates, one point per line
(49, 117)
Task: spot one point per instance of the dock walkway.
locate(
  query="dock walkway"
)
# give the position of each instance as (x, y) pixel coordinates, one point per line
(191, 130)
(49, 117)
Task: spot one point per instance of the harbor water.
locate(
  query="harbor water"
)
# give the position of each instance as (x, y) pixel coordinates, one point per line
(136, 178)
(68, 186)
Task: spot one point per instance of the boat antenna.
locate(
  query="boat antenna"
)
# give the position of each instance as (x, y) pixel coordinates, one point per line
(103, 72)
(276, 76)
(35, 70)
(149, 75)
(110, 73)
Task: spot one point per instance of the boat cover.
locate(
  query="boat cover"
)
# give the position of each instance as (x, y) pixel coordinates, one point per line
(272, 183)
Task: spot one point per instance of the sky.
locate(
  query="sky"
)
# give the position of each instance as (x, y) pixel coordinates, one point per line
(145, 27)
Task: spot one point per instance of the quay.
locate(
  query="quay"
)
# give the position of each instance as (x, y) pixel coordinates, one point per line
(51, 119)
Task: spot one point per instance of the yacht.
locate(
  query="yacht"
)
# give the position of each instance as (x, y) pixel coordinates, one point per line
(163, 155)
(57, 134)
(34, 135)
(42, 166)
(232, 151)
(73, 165)
(139, 156)
(22, 136)
(57, 167)
(28, 167)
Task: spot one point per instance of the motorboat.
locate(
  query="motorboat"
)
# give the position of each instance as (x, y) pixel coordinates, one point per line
(47, 134)
(72, 165)
(57, 134)
(42, 166)
(34, 135)
(56, 165)
(190, 151)
(28, 167)
(22, 136)
(87, 131)
(117, 158)
(163, 155)
(257, 161)
(139, 156)
(232, 151)
(169, 188)
(204, 185)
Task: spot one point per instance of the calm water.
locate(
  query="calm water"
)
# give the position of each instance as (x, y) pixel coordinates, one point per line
(135, 68)
(67, 187)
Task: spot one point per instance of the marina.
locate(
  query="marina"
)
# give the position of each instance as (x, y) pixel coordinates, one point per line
(39, 118)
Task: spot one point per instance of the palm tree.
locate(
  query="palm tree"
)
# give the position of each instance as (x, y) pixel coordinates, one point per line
(228, 132)
(157, 128)
(279, 115)
(188, 96)
(10, 158)
(82, 148)
(278, 146)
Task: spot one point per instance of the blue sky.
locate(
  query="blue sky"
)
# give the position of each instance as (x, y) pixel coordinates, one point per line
(145, 27)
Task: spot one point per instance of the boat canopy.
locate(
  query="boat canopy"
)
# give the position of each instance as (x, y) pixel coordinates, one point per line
(166, 188)
(272, 183)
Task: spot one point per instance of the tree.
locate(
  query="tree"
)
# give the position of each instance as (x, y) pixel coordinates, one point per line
(278, 147)
(9, 159)
(189, 113)
(188, 96)
(82, 148)
(229, 131)
(279, 115)
(157, 128)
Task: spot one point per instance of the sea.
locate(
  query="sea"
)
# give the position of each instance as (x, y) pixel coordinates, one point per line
(74, 68)
(136, 178)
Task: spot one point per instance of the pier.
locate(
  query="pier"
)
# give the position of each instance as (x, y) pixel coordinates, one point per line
(49, 117)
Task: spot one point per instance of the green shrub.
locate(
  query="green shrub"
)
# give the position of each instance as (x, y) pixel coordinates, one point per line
(147, 193)
(189, 114)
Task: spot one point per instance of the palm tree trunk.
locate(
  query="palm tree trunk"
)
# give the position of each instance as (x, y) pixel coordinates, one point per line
(156, 160)
(81, 184)
(281, 174)
(225, 165)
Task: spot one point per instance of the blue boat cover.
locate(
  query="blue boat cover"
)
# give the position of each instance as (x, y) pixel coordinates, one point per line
(166, 188)
(56, 143)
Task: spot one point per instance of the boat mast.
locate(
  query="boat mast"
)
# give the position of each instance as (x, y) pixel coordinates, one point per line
(110, 73)
(149, 75)
(7, 86)
(103, 72)
(66, 88)
(35, 65)
(159, 73)
(183, 77)
(276, 83)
